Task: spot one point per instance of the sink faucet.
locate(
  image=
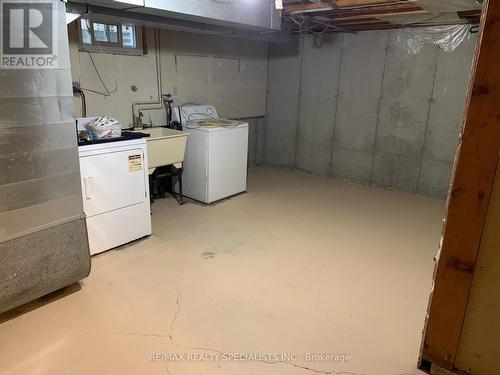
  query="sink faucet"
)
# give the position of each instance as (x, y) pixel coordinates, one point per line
(150, 123)
(137, 121)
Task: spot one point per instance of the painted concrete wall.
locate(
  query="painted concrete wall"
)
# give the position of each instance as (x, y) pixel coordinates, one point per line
(480, 342)
(256, 134)
(360, 107)
(227, 72)
(283, 88)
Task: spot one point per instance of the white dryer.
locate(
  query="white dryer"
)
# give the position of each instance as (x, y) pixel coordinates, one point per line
(115, 189)
(215, 164)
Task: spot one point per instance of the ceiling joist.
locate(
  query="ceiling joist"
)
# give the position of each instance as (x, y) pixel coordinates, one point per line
(360, 14)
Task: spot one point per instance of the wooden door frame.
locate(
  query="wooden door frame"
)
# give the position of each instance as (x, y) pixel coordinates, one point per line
(473, 177)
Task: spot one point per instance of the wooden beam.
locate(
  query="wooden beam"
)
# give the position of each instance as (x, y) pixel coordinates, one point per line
(472, 16)
(374, 9)
(469, 13)
(358, 21)
(377, 10)
(349, 3)
(393, 8)
(371, 15)
(387, 26)
(309, 7)
(474, 172)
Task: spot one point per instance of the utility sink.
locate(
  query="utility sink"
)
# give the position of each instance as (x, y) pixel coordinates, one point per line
(165, 147)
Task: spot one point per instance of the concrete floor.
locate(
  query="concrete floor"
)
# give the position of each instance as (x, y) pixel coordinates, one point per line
(302, 264)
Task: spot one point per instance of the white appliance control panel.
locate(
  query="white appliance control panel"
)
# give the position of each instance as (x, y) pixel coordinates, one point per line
(195, 112)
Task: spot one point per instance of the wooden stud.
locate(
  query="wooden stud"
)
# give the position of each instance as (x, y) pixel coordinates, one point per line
(297, 8)
(349, 3)
(474, 172)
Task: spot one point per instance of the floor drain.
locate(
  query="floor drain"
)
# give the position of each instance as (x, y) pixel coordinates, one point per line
(208, 255)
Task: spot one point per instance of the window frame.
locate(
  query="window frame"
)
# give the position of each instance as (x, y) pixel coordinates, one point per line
(116, 48)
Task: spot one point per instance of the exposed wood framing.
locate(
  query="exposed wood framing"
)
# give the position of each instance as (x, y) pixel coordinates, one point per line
(347, 3)
(300, 7)
(384, 10)
(473, 178)
(357, 21)
(340, 10)
(472, 16)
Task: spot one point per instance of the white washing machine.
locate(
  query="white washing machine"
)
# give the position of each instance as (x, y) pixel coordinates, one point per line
(215, 164)
(115, 190)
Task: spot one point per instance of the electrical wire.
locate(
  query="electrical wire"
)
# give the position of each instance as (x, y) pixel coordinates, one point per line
(304, 28)
(81, 94)
(108, 92)
(319, 36)
(320, 32)
(84, 103)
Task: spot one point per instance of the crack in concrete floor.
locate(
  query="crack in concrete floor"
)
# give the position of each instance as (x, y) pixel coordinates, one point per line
(260, 238)
(222, 353)
(213, 350)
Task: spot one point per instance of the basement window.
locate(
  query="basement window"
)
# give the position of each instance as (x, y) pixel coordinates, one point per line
(116, 37)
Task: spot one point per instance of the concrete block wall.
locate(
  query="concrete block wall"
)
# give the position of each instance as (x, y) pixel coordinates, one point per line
(360, 107)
